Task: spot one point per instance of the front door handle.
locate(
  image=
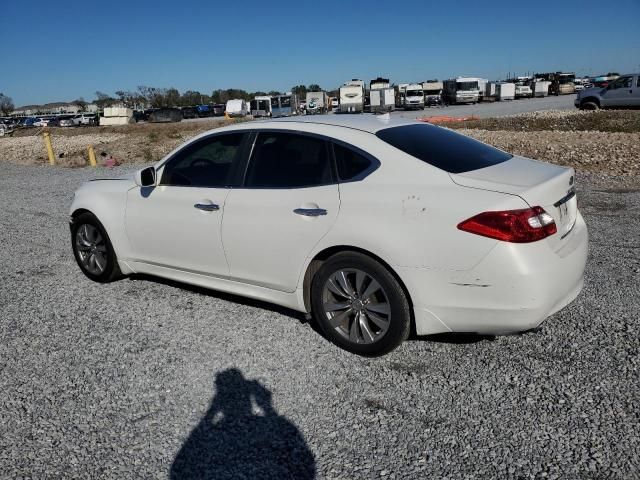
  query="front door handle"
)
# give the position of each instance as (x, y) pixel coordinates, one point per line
(207, 207)
(310, 212)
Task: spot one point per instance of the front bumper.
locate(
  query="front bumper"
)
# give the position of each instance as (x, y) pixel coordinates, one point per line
(513, 289)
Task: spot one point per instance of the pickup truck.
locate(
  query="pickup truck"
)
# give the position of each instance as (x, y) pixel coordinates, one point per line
(624, 92)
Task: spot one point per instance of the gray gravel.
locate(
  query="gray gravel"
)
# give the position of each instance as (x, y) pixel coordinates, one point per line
(146, 379)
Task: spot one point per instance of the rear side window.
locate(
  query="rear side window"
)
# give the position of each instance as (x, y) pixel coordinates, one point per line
(286, 160)
(351, 165)
(442, 148)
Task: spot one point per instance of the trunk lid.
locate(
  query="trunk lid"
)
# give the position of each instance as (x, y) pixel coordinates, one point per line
(538, 183)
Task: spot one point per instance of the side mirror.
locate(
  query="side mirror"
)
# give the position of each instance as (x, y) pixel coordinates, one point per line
(146, 177)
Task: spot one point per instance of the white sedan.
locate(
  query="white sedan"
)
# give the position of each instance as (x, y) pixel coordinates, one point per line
(375, 226)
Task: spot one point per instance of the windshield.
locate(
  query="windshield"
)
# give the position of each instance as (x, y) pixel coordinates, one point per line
(432, 92)
(566, 79)
(467, 85)
(414, 93)
(442, 148)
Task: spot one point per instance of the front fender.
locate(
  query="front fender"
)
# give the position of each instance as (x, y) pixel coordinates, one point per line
(107, 201)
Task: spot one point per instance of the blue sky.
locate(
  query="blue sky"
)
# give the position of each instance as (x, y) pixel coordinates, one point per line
(58, 51)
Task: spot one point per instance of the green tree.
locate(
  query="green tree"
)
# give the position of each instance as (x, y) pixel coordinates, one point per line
(300, 90)
(103, 100)
(171, 97)
(314, 87)
(80, 103)
(6, 104)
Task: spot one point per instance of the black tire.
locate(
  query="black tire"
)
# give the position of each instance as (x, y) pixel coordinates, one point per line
(589, 106)
(399, 317)
(111, 270)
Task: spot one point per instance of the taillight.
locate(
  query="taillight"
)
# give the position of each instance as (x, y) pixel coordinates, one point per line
(517, 226)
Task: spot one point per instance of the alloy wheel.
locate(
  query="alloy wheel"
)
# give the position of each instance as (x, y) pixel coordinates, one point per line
(91, 249)
(356, 306)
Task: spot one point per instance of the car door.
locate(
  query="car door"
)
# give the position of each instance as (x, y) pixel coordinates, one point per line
(635, 94)
(176, 224)
(288, 202)
(619, 93)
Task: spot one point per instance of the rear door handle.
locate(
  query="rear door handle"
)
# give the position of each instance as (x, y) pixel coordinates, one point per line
(207, 207)
(310, 212)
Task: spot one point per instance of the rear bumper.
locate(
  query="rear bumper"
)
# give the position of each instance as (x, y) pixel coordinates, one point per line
(513, 289)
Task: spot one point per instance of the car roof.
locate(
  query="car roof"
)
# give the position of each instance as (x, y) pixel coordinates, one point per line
(365, 123)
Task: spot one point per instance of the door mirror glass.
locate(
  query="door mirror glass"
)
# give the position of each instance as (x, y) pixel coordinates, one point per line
(146, 177)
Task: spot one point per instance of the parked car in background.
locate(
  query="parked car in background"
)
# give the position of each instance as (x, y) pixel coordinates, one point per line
(623, 92)
(27, 122)
(85, 119)
(41, 122)
(166, 115)
(376, 226)
(6, 128)
(218, 109)
(53, 122)
(67, 121)
(189, 112)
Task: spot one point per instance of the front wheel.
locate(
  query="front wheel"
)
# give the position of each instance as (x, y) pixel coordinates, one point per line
(588, 106)
(92, 249)
(359, 304)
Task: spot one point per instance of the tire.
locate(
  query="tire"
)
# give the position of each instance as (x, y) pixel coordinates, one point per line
(89, 238)
(589, 106)
(370, 325)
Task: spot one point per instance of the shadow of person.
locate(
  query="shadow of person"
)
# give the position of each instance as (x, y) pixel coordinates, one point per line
(242, 437)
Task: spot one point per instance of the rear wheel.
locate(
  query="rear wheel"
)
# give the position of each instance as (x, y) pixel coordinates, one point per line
(92, 249)
(360, 305)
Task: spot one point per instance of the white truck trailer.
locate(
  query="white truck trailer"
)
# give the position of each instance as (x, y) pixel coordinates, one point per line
(505, 91)
(540, 88)
(352, 97)
(382, 97)
(317, 102)
(462, 90)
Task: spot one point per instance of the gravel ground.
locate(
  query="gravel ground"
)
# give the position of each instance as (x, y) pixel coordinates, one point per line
(140, 378)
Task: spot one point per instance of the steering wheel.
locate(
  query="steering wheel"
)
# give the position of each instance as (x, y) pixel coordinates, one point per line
(201, 162)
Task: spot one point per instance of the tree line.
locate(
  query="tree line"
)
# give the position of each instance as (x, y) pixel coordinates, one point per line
(154, 97)
(171, 97)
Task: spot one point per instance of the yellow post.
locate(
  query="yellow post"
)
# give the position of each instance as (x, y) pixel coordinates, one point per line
(47, 143)
(92, 156)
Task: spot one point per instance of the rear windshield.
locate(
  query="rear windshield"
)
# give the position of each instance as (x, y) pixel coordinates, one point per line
(442, 148)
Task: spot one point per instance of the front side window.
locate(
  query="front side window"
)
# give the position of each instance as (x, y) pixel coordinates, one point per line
(442, 148)
(287, 160)
(351, 164)
(623, 82)
(205, 163)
